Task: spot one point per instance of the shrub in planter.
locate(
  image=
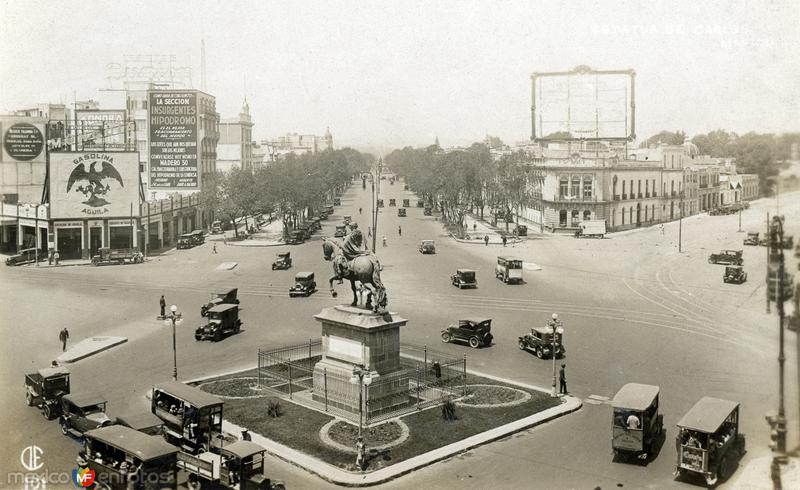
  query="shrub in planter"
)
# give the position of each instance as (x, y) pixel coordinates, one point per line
(449, 410)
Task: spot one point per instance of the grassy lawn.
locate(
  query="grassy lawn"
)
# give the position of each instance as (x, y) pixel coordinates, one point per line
(299, 427)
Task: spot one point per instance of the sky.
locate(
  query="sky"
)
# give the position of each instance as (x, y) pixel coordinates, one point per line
(384, 75)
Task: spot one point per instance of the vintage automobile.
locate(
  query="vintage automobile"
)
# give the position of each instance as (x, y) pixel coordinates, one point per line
(337, 201)
(192, 418)
(296, 237)
(797, 250)
(773, 279)
(428, 211)
(185, 241)
(305, 228)
(322, 214)
(508, 269)
(144, 422)
(392, 202)
(521, 230)
(734, 274)
(283, 262)
(727, 257)
(380, 203)
(401, 212)
(341, 230)
(788, 242)
(117, 256)
(592, 228)
(228, 297)
(427, 247)
(477, 332)
(26, 256)
(316, 224)
(329, 209)
(81, 412)
(420, 203)
(238, 465)
(122, 457)
(637, 427)
(198, 237)
(708, 441)
(304, 285)
(223, 320)
(464, 278)
(216, 228)
(540, 342)
(44, 390)
(752, 238)
(347, 219)
(406, 203)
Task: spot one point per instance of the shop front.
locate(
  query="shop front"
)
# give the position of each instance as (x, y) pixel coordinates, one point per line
(69, 239)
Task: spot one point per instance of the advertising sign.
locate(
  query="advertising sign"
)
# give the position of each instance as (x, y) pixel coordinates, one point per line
(23, 141)
(173, 119)
(102, 130)
(93, 185)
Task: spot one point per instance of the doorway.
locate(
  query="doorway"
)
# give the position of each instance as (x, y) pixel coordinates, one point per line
(95, 240)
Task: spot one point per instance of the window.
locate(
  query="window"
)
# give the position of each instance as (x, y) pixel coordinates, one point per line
(623, 216)
(614, 189)
(624, 196)
(646, 188)
(562, 218)
(587, 215)
(639, 192)
(587, 187)
(672, 190)
(652, 212)
(645, 213)
(575, 190)
(575, 216)
(563, 189)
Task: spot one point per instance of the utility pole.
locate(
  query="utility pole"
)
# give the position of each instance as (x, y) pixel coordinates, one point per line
(680, 225)
(769, 242)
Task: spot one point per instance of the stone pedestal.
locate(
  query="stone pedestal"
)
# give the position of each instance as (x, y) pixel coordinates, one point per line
(358, 337)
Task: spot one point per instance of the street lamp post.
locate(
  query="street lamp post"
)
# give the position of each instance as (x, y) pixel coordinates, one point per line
(173, 319)
(36, 234)
(362, 377)
(376, 190)
(554, 324)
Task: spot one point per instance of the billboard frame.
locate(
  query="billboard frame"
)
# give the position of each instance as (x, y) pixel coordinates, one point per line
(176, 141)
(585, 70)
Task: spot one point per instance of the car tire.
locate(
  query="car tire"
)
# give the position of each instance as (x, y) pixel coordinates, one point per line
(521, 345)
(474, 342)
(273, 266)
(446, 337)
(710, 261)
(29, 399)
(64, 427)
(47, 411)
(539, 353)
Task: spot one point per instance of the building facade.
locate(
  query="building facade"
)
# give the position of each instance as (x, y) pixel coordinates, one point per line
(235, 146)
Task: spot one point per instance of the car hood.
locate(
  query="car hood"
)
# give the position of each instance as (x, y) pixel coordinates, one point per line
(99, 418)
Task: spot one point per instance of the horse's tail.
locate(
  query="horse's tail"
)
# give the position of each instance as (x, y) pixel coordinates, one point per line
(376, 273)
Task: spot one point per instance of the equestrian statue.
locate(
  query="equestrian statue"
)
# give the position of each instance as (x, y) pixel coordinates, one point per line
(354, 263)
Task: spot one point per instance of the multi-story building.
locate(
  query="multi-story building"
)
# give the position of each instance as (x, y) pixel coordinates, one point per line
(235, 146)
(299, 143)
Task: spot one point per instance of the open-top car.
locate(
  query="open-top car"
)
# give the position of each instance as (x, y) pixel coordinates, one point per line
(223, 320)
(540, 342)
(708, 441)
(752, 238)
(477, 332)
(44, 389)
(227, 297)
(464, 278)
(509, 269)
(427, 247)
(734, 274)
(637, 426)
(304, 285)
(81, 412)
(401, 212)
(283, 262)
(727, 257)
(26, 256)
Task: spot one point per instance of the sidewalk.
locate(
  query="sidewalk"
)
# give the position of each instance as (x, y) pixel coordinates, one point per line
(477, 229)
(757, 475)
(270, 235)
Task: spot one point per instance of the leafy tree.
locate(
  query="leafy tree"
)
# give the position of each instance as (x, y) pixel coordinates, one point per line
(717, 143)
(666, 137)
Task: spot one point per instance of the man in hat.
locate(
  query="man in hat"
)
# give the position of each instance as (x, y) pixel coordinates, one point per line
(562, 377)
(163, 304)
(63, 336)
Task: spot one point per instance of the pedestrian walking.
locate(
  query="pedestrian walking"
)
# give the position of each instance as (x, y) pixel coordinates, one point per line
(474, 226)
(562, 378)
(662, 228)
(246, 435)
(400, 231)
(360, 453)
(56, 256)
(369, 231)
(505, 240)
(225, 239)
(63, 336)
(163, 303)
(384, 240)
(486, 240)
(359, 210)
(214, 248)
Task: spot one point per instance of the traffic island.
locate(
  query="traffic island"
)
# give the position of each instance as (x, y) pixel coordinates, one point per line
(323, 443)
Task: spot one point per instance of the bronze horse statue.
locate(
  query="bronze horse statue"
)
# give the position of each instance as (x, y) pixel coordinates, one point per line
(354, 264)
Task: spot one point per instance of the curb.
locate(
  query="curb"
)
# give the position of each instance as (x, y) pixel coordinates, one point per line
(276, 244)
(342, 477)
(108, 343)
(480, 242)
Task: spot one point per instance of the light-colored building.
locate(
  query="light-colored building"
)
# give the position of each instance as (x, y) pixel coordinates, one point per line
(235, 146)
(299, 144)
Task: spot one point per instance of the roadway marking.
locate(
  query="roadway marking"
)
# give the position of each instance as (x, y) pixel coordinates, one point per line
(597, 400)
(226, 266)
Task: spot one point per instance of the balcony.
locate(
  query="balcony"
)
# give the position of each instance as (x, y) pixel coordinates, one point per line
(616, 197)
(581, 199)
(640, 195)
(624, 197)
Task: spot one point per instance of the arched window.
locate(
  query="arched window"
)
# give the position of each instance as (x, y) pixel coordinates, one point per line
(645, 213)
(563, 188)
(576, 186)
(631, 215)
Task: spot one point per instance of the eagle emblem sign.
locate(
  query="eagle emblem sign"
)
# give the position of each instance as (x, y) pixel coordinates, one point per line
(93, 176)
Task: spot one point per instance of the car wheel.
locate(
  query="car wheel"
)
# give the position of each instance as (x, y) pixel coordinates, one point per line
(521, 345)
(446, 337)
(47, 412)
(474, 342)
(64, 427)
(273, 266)
(710, 261)
(29, 399)
(539, 353)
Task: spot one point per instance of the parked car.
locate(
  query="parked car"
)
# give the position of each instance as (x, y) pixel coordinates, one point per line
(81, 412)
(341, 230)
(593, 228)
(727, 257)
(216, 228)
(420, 203)
(296, 237)
(508, 269)
(788, 242)
(283, 262)
(427, 247)
(304, 285)
(709, 443)
(406, 203)
(44, 389)
(185, 241)
(337, 201)
(734, 274)
(223, 320)
(405, 187)
(428, 211)
(226, 297)
(401, 212)
(521, 230)
(637, 426)
(540, 342)
(475, 331)
(752, 238)
(347, 219)
(464, 278)
(392, 202)
(26, 256)
(145, 422)
(198, 237)
(241, 466)
(380, 203)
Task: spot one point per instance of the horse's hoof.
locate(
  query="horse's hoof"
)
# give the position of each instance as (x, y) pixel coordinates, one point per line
(354, 303)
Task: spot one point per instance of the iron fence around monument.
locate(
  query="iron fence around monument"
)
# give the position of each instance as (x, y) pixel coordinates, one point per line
(427, 378)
